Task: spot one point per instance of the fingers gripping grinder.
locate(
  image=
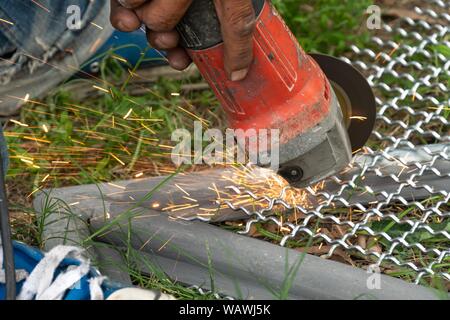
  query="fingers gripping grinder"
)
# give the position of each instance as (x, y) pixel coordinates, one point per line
(323, 107)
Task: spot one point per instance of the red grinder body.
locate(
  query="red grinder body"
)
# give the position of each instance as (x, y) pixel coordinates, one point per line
(285, 89)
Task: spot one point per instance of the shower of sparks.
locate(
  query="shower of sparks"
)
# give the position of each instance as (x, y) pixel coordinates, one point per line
(95, 138)
(165, 146)
(240, 182)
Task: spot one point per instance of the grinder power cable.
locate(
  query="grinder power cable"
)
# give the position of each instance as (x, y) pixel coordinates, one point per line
(323, 108)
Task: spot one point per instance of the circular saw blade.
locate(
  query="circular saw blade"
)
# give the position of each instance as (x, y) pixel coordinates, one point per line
(355, 97)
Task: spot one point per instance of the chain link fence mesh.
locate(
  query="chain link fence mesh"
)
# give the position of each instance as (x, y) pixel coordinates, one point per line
(404, 235)
(389, 210)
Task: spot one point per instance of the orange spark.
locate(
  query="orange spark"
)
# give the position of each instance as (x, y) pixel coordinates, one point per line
(60, 162)
(190, 199)
(138, 175)
(95, 45)
(182, 190)
(34, 191)
(165, 243)
(121, 59)
(96, 25)
(36, 139)
(19, 123)
(116, 186)
(359, 118)
(203, 121)
(128, 114)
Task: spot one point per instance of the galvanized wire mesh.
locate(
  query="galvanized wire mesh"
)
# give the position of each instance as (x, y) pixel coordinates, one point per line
(408, 66)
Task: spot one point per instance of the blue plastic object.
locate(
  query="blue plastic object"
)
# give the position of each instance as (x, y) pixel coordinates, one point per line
(27, 258)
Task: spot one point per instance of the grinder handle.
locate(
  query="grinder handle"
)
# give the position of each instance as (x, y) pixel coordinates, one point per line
(200, 27)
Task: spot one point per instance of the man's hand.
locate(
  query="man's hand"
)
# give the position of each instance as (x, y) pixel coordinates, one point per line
(237, 18)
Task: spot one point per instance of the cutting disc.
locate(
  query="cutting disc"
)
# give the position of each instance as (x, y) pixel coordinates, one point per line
(355, 97)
